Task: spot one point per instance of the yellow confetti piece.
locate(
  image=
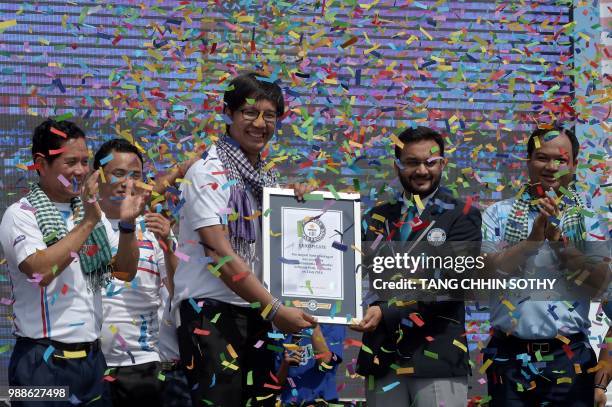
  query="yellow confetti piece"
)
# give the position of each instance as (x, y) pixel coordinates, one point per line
(113, 329)
(485, 366)
(536, 141)
(142, 185)
(378, 217)
(459, 345)
(183, 180)
(231, 351)
(266, 311)
(291, 346)
(567, 380)
(419, 204)
(429, 37)
(229, 365)
(577, 368)
(275, 234)
(509, 305)
(73, 355)
(404, 370)
(395, 140)
(245, 19)
(563, 339)
(102, 177)
(7, 24)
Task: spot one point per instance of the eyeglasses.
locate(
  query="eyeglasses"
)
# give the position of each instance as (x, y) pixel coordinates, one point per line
(252, 115)
(431, 162)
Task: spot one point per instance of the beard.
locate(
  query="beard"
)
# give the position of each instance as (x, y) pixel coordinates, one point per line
(406, 183)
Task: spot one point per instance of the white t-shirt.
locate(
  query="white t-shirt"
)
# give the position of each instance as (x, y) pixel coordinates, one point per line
(206, 192)
(65, 310)
(168, 339)
(130, 320)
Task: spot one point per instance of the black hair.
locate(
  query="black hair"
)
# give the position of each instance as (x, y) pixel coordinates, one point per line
(251, 85)
(45, 139)
(119, 145)
(412, 135)
(541, 134)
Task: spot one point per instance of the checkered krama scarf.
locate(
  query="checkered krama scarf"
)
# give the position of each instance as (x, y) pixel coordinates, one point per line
(95, 254)
(245, 176)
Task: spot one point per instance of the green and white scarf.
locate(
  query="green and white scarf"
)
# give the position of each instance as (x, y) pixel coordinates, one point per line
(572, 221)
(95, 266)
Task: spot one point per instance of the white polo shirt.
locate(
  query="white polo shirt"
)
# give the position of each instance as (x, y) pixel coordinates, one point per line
(206, 192)
(130, 320)
(65, 310)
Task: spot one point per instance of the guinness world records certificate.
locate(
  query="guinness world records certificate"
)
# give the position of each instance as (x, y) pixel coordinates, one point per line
(311, 252)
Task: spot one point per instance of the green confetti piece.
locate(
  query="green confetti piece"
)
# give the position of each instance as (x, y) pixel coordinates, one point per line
(250, 378)
(256, 304)
(538, 356)
(370, 382)
(65, 116)
(94, 399)
(333, 191)
(50, 237)
(367, 349)
(432, 355)
(435, 149)
(54, 269)
(4, 348)
(267, 212)
(215, 318)
(309, 287)
(215, 269)
(313, 197)
(300, 228)
(161, 377)
(561, 173)
(274, 348)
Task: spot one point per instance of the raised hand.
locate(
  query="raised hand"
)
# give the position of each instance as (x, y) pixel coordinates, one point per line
(158, 224)
(134, 202)
(89, 190)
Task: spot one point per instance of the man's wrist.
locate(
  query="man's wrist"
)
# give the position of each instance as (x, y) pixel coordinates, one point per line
(127, 227)
(601, 387)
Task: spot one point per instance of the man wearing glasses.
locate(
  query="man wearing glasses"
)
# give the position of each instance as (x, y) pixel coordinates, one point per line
(408, 337)
(225, 311)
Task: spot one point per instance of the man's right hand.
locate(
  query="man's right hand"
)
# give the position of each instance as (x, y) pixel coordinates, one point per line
(370, 320)
(293, 320)
(93, 213)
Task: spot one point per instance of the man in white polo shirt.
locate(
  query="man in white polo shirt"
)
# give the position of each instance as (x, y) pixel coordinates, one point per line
(58, 247)
(130, 330)
(223, 339)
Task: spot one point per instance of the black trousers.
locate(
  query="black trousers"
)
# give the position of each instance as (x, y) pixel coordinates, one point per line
(556, 376)
(137, 385)
(83, 376)
(227, 362)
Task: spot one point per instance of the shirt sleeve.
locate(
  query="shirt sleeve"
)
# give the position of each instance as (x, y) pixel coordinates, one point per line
(206, 195)
(21, 236)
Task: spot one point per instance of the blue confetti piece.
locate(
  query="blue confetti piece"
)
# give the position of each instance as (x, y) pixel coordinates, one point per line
(195, 306)
(48, 352)
(340, 246)
(390, 386)
(213, 381)
(106, 159)
(288, 261)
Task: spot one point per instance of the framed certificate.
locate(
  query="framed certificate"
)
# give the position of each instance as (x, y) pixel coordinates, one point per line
(311, 255)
